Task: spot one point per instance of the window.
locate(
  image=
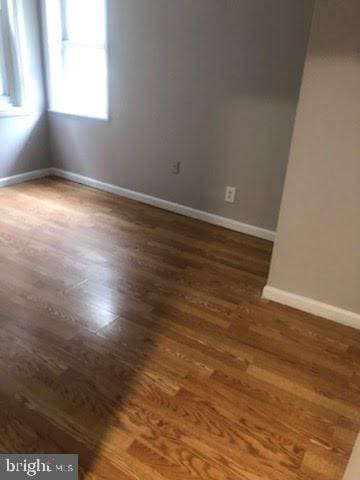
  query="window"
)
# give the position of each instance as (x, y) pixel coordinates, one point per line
(77, 56)
(11, 81)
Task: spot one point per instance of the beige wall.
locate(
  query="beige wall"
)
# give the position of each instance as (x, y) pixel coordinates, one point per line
(211, 83)
(317, 251)
(24, 142)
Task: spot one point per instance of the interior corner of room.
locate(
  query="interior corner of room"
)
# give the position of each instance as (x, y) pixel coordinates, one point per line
(171, 125)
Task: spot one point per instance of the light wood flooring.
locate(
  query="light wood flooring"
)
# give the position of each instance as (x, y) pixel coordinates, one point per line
(137, 338)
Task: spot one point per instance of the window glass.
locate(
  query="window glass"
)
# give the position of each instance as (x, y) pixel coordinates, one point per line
(84, 21)
(77, 56)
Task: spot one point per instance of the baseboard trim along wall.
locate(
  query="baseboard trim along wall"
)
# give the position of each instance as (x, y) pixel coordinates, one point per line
(143, 198)
(166, 205)
(25, 177)
(330, 312)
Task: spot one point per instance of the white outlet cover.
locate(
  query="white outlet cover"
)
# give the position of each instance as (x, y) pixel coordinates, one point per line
(230, 194)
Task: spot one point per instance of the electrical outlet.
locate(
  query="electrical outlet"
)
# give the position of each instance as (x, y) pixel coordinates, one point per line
(175, 168)
(230, 194)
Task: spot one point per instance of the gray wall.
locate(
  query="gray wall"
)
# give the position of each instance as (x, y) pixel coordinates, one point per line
(24, 142)
(210, 83)
(317, 251)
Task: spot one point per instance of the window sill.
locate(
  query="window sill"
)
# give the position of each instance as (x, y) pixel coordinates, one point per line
(15, 112)
(80, 116)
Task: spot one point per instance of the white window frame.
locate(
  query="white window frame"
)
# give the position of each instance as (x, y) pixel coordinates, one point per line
(54, 35)
(12, 44)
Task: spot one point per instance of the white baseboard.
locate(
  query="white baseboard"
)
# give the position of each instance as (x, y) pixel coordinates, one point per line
(142, 197)
(315, 307)
(166, 205)
(24, 177)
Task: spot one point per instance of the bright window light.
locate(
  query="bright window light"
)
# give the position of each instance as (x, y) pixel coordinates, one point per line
(11, 40)
(77, 56)
(2, 61)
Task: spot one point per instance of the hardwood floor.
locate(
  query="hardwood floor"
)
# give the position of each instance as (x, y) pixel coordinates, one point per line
(137, 339)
